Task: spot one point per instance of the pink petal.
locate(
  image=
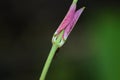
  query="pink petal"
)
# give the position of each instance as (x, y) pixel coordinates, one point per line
(69, 16)
(69, 28)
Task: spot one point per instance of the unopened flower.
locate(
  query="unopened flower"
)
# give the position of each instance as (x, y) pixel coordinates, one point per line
(67, 24)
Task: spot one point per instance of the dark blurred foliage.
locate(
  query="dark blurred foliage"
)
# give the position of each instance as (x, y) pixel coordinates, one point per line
(90, 53)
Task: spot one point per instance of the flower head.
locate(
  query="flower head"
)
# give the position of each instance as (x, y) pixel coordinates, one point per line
(67, 24)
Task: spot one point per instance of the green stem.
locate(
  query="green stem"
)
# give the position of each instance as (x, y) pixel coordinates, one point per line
(48, 62)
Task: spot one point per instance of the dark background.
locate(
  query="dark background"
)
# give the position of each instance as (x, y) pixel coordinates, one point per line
(26, 29)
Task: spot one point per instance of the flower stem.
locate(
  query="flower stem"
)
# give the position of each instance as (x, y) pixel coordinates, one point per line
(48, 62)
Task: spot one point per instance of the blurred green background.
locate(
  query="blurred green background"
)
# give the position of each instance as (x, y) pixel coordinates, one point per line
(92, 51)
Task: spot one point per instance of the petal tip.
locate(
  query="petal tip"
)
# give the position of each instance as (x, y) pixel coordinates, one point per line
(75, 1)
(80, 10)
(83, 7)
